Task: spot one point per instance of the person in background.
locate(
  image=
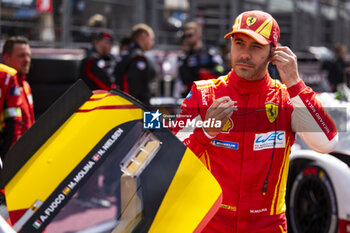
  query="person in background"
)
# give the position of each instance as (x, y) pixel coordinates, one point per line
(197, 62)
(337, 69)
(10, 110)
(97, 68)
(17, 55)
(253, 120)
(134, 72)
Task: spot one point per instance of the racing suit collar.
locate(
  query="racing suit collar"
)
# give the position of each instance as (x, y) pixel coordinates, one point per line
(247, 87)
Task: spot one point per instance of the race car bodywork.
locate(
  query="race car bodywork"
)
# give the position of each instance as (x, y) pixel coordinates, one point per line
(88, 142)
(318, 198)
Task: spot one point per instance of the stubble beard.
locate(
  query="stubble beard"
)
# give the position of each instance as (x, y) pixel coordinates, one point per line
(253, 73)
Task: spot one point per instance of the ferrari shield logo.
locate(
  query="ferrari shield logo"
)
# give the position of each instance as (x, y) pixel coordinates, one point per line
(271, 111)
(251, 20)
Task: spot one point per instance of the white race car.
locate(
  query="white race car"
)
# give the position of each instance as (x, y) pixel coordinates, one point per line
(318, 188)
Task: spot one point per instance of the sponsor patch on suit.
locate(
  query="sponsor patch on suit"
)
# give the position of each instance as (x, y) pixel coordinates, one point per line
(266, 140)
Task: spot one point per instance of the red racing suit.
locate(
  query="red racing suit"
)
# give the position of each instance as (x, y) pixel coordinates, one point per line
(26, 104)
(250, 157)
(11, 116)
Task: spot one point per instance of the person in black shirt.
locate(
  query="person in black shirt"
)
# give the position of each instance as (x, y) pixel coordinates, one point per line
(197, 62)
(134, 72)
(97, 68)
(337, 69)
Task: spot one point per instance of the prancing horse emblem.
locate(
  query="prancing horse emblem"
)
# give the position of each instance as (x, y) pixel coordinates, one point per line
(251, 20)
(271, 111)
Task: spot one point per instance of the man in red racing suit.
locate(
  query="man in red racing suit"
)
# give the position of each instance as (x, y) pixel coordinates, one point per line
(17, 55)
(243, 125)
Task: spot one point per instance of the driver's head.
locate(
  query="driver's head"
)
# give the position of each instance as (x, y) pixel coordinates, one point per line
(253, 36)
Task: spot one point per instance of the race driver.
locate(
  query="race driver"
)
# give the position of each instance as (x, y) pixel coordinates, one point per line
(259, 118)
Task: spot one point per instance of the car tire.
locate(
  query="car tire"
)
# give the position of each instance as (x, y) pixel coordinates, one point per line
(312, 202)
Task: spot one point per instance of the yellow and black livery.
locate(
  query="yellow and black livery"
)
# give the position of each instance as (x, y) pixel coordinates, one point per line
(163, 186)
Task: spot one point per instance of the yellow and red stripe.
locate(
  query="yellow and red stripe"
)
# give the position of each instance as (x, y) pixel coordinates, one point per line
(278, 202)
